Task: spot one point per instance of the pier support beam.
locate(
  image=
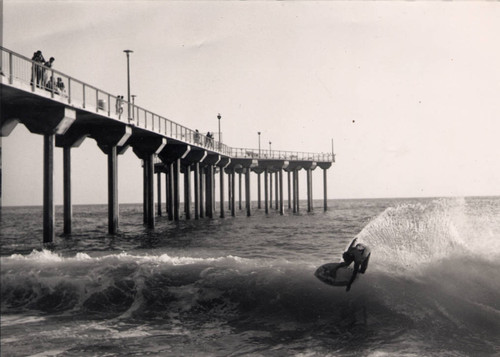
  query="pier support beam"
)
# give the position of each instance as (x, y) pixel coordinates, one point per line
(47, 121)
(229, 193)
(266, 190)
(239, 191)
(209, 191)
(68, 209)
(70, 139)
(298, 191)
(325, 196)
(309, 190)
(295, 179)
(158, 193)
(112, 142)
(48, 188)
(280, 175)
(170, 191)
(187, 191)
(210, 161)
(270, 189)
(176, 188)
(233, 195)
(221, 182)
(145, 196)
(145, 148)
(196, 190)
(203, 190)
(289, 190)
(247, 192)
(325, 166)
(149, 173)
(112, 190)
(258, 191)
(222, 164)
(166, 189)
(277, 191)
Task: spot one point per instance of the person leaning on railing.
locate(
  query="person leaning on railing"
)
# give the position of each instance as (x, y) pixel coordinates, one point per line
(60, 88)
(47, 64)
(37, 69)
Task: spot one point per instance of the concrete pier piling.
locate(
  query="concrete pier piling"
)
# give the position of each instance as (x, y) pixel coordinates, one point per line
(170, 190)
(112, 190)
(280, 175)
(266, 190)
(66, 121)
(247, 192)
(67, 206)
(196, 190)
(177, 171)
(48, 188)
(187, 191)
(233, 201)
(158, 194)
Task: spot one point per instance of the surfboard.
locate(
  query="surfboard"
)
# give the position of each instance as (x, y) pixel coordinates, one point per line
(326, 273)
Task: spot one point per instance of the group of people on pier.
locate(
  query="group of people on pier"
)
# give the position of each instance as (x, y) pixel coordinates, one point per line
(209, 139)
(40, 77)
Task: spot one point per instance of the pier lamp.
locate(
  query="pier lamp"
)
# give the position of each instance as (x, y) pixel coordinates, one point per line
(128, 52)
(270, 148)
(259, 143)
(220, 140)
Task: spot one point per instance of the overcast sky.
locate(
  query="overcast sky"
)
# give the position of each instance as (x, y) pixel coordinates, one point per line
(408, 91)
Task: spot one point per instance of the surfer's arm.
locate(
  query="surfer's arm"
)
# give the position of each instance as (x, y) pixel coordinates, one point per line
(352, 243)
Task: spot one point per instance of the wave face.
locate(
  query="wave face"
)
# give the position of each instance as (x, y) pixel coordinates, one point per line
(432, 288)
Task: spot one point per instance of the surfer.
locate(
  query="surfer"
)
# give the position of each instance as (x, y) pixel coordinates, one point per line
(359, 254)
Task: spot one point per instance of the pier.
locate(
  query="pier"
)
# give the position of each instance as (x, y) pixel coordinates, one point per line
(68, 113)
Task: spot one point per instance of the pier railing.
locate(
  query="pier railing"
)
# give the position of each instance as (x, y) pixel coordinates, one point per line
(280, 155)
(34, 76)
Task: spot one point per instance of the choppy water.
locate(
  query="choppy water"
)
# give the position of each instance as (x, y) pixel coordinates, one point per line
(245, 286)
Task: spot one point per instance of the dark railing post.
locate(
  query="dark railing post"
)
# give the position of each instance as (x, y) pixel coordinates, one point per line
(52, 84)
(109, 105)
(69, 90)
(83, 94)
(11, 70)
(97, 101)
(34, 70)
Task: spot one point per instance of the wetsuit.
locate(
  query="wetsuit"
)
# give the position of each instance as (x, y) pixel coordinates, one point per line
(360, 255)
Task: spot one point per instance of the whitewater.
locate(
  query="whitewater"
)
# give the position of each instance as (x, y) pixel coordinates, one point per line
(245, 286)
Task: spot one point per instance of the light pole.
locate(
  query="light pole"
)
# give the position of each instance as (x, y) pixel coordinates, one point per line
(128, 81)
(270, 149)
(259, 143)
(220, 141)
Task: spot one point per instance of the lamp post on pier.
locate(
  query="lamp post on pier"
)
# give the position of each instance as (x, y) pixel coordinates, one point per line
(220, 141)
(128, 52)
(270, 152)
(259, 143)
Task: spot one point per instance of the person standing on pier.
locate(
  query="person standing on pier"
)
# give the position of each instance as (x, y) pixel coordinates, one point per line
(119, 106)
(37, 68)
(48, 64)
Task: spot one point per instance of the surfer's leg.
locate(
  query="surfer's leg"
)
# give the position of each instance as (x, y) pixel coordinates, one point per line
(364, 265)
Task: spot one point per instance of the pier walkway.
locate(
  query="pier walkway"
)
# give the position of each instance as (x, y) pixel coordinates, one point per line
(66, 110)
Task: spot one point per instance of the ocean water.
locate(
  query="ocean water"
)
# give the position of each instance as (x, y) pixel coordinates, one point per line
(245, 286)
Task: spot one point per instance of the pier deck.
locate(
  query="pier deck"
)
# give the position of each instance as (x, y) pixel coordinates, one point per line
(67, 114)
